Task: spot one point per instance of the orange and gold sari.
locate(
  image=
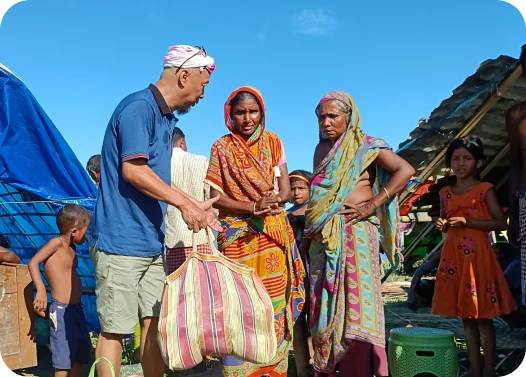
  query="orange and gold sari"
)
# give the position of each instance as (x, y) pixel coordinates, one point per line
(244, 171)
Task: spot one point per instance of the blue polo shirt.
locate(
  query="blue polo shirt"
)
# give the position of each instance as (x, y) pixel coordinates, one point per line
(126, 221)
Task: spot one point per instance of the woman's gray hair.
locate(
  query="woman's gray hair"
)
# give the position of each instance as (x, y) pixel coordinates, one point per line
(343, 107)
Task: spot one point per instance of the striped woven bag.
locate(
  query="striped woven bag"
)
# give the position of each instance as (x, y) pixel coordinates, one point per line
(214, 307)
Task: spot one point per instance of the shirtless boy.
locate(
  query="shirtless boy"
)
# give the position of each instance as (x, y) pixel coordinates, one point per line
(516, 127)
(70, 342)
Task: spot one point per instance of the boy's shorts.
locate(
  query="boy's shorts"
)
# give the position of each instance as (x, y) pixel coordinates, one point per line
(127, 288)
(69, 336)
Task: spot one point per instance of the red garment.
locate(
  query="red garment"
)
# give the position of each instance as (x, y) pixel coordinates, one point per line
(175, 257)
(422, 190)
(362, 360)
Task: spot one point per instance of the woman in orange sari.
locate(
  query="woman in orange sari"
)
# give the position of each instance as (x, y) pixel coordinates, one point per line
(248, 170)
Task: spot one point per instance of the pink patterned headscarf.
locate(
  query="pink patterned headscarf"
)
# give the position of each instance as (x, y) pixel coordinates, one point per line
(183, 56)
(337, 96)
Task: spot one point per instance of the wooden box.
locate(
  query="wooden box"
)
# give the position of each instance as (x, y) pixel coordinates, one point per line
(17, 344)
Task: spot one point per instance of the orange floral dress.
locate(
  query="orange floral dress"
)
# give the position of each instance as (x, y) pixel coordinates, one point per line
(469, 282)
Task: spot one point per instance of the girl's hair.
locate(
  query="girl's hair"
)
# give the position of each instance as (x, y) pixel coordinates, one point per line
(471, 143)
(300, 173)
(243, 96)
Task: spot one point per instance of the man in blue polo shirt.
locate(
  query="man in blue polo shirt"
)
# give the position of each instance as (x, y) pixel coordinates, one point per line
(126, 233)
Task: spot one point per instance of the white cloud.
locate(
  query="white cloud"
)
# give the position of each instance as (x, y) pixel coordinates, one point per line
(319, 21)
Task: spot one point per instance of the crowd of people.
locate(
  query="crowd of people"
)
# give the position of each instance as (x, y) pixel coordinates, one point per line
(319, 261)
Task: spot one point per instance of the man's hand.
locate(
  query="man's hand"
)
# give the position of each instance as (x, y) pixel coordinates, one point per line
(211, 219)
(200, 216)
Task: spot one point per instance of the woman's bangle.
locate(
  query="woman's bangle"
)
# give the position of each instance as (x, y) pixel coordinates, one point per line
(387, 193)
(254, 209)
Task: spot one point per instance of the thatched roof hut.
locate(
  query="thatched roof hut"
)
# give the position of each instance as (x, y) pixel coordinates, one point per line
(477, 107)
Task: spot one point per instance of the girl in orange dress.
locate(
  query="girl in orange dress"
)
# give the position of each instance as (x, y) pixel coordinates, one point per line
(469, 282)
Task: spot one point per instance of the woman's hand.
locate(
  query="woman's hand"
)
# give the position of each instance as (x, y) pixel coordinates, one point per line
(442, 225)
(266, 204)
(458, 222)
(358, 213)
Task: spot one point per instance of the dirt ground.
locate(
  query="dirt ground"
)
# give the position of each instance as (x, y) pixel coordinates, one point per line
(511, 343)
(206, 369)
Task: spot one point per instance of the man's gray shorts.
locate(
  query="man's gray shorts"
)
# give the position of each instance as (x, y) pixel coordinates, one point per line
(127, 288)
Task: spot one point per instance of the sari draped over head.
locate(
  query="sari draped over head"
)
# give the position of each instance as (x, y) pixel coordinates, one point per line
(245, 171)
(344, 271)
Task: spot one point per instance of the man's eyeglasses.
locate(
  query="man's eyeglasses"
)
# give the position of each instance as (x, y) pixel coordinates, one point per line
(201, 51)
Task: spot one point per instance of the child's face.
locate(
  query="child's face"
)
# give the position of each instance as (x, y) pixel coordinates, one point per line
(300, 192)
(463, 163)
(95, 176)
(79, 234)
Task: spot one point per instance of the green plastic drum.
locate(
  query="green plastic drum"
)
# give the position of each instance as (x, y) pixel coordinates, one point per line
(417, 351)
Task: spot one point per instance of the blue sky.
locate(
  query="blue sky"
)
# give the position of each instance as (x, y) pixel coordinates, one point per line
(398, 59)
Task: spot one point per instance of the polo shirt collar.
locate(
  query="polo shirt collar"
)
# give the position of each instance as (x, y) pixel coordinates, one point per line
(161, 102)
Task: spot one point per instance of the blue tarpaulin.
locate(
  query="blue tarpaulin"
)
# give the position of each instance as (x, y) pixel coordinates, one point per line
(39, 173)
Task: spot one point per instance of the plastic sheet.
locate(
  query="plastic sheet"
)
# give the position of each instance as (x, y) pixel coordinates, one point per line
(39, 173)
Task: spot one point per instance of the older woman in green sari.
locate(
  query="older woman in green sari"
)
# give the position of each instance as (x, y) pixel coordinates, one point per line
(353, 208)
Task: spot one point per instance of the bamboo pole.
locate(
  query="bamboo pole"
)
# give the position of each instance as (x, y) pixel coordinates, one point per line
(488, 104)
(504, 151)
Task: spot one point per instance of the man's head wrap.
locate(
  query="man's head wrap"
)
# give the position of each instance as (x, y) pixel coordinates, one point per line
(183, 56)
